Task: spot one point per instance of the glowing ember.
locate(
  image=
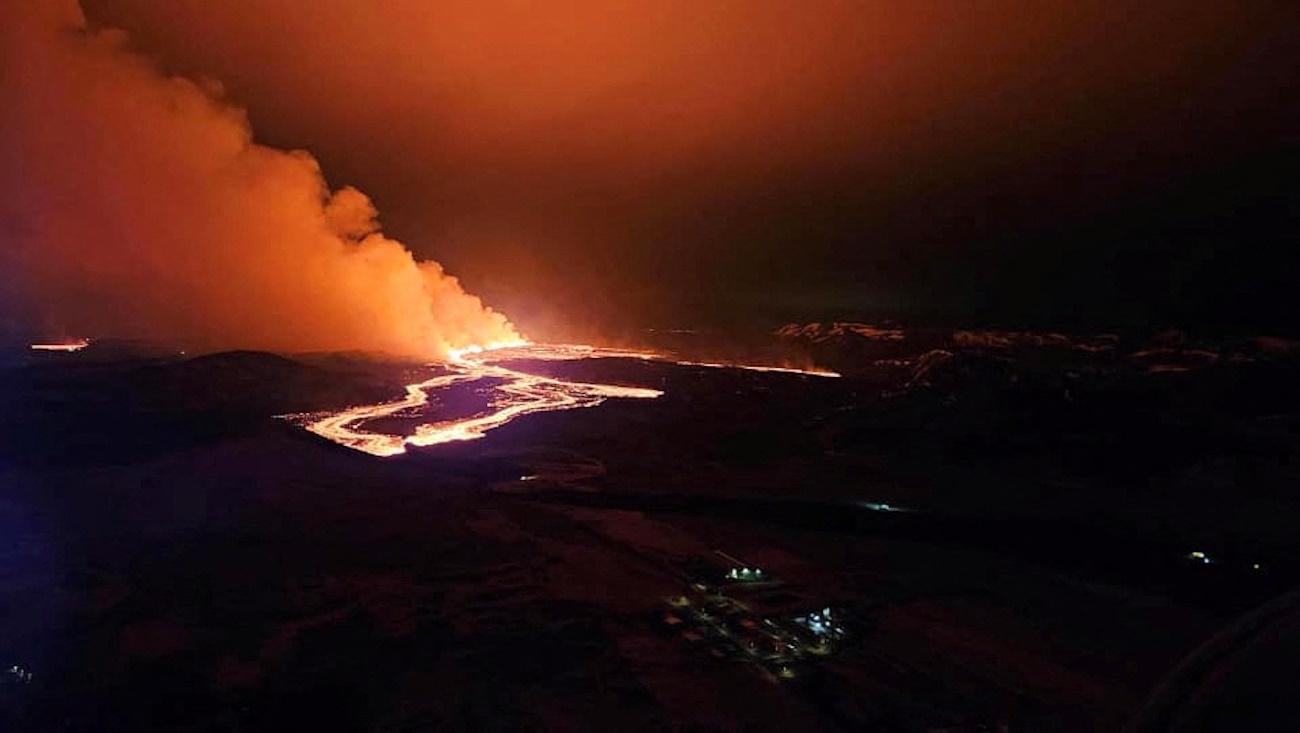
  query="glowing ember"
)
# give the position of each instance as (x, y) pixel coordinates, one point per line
(520, 394)
(77, 345)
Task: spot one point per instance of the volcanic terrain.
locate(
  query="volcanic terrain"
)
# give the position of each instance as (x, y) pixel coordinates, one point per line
(1017, 529)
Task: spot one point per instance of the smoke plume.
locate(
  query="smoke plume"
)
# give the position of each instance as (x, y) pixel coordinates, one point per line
(137, 204)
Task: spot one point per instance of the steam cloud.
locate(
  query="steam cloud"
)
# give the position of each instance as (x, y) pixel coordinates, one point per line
(136, 204)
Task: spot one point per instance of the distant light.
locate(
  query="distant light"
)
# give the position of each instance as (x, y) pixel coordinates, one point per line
(1198, 555)
(880, 506)
(1255, 566)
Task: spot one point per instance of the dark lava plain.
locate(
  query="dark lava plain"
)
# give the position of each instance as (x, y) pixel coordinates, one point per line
(1078, 515)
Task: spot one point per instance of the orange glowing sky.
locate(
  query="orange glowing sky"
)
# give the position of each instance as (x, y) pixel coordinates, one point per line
(140, 205)
(605, 162)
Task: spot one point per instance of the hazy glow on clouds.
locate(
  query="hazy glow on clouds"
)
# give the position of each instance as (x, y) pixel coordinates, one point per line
(138, 205)
(609, 158)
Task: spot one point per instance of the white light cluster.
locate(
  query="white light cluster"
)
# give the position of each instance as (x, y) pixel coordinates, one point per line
(822, 623)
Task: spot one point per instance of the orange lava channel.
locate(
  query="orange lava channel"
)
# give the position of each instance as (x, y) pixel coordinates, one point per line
(77, 345)
(520, 394)
(810, 372)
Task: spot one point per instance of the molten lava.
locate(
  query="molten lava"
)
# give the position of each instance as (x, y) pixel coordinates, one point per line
(76, 345)
(809, 372)
(517, 395)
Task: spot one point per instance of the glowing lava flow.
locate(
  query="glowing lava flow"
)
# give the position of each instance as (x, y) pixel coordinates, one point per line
(77, 345)
(519, 394)
(810, 372)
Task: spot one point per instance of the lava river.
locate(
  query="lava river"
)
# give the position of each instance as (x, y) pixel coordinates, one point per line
(517, 394)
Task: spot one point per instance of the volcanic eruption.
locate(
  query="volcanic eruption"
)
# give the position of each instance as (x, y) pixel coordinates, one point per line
(137, 204)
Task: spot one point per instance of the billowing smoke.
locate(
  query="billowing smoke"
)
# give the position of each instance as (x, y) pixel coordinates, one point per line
(137, 204)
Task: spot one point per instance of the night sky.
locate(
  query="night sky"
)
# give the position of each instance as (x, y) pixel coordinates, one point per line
(596, 166)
